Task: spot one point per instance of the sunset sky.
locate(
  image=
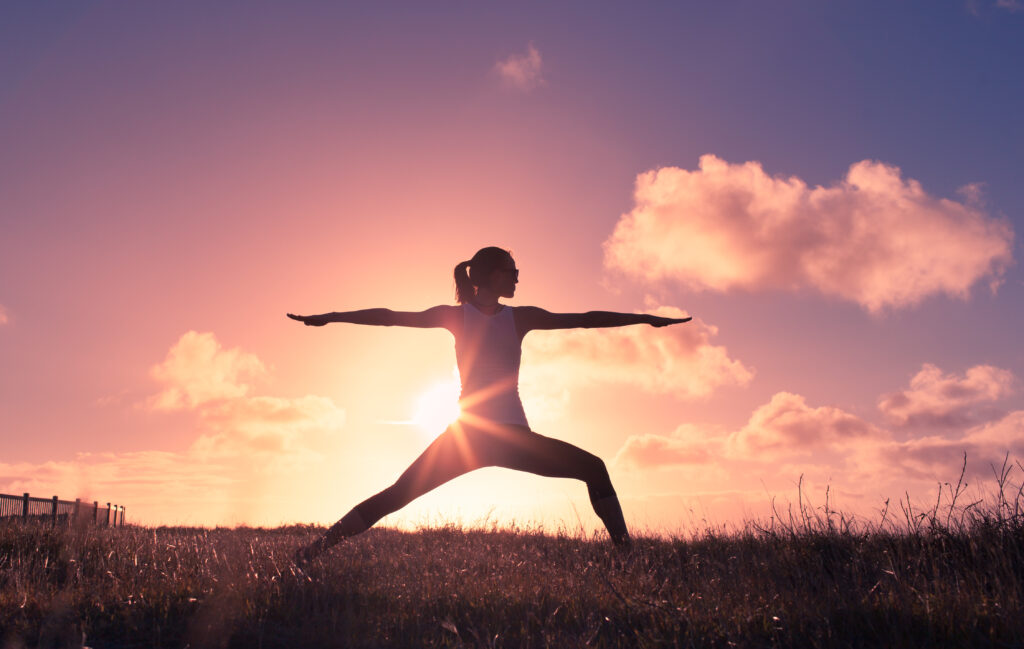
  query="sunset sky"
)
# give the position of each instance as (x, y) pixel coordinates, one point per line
(833, 190)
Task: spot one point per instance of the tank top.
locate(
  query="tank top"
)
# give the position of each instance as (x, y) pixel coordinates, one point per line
(488, 352)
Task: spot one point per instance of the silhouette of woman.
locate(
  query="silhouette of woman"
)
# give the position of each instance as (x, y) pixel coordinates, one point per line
(492, 429)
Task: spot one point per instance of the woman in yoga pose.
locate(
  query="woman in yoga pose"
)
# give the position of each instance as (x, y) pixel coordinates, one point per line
(491, 429)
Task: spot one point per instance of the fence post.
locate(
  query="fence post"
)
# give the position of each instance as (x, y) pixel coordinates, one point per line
(77, 512)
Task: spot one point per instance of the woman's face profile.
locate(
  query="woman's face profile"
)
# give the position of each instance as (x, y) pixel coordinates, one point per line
(503, 279)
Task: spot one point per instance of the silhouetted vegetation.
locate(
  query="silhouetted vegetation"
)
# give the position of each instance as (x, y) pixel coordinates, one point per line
(950, 576)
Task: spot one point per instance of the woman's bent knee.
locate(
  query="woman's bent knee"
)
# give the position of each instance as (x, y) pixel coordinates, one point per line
(599, 483)
(596, 468)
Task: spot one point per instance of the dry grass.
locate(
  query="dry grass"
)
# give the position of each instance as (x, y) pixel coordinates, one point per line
(950, 576)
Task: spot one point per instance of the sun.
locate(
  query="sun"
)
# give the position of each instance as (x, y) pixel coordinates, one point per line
(437, 407)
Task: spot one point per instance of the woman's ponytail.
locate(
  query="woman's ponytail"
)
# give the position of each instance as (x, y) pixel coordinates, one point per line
(464, 291)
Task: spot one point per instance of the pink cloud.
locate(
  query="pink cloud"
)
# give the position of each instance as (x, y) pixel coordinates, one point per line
(792, 449)
(198, 374)
(784, 427)
(264, 424)
(521, 71)
(931, 457)
(198, 370)
(787, 442)
(787, 432)
(4, 318)
(679, 360)
(945, 400)
(247, 446)
(685, 445)
(873, 238)
(786, 424)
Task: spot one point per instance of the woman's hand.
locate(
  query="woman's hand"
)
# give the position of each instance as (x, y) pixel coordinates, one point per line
(658, 321)
(310, 320)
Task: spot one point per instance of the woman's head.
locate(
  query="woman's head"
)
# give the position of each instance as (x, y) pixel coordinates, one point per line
(486, 269)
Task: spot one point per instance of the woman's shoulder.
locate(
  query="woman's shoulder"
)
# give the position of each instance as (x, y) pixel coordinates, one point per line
(524, 311)
(527, 311)
(443, 315)
(526, 318)
(445, 309)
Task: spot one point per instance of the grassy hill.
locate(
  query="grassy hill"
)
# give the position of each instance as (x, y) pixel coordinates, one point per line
(934, 580)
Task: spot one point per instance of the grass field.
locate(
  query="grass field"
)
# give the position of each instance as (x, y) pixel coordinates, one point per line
(923, 579)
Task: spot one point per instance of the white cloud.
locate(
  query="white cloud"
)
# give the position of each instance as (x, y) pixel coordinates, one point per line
(945, 400)
(521, 71)
(679, 360)
(872, 238)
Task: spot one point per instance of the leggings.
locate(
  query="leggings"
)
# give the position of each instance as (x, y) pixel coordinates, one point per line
(463, 448)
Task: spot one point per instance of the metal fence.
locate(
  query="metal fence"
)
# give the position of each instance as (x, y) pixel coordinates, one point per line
(60, 511)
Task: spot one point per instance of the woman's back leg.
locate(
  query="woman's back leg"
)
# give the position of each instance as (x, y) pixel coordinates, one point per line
(450, 455)
(525, 450)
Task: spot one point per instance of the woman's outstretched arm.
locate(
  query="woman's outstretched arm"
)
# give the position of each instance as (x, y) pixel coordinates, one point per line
(438, 316)
(531, 317)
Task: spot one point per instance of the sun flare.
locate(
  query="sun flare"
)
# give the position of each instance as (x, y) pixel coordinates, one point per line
(437, 407)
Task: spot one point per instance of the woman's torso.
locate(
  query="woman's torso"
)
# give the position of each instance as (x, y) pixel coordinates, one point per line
(488, 350)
